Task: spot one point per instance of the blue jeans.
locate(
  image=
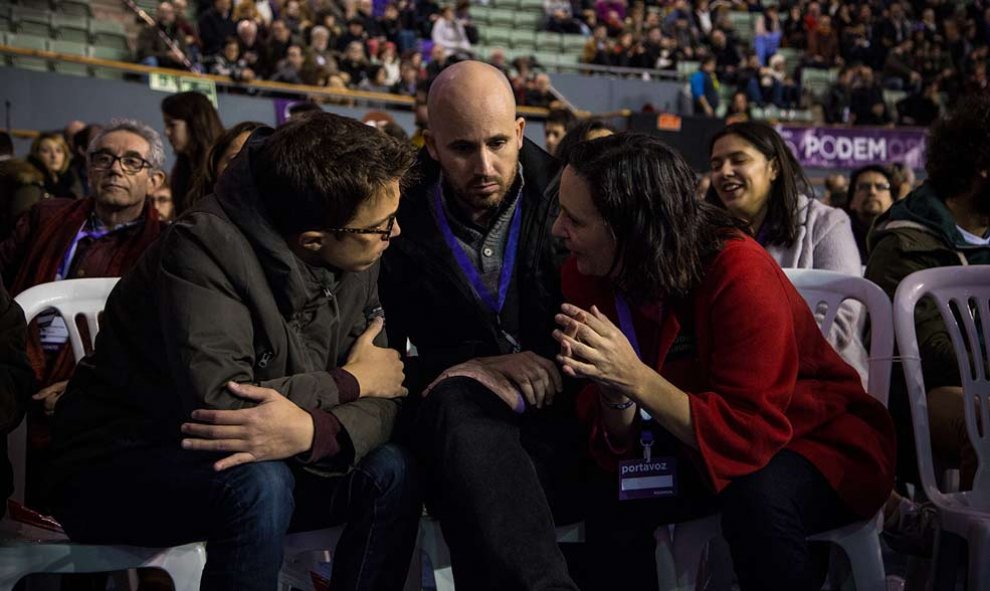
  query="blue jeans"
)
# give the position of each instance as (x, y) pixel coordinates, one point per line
(168, 496)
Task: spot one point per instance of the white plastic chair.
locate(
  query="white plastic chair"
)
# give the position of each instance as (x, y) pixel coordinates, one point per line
(685, 545)
(962, 295)
(26, 550)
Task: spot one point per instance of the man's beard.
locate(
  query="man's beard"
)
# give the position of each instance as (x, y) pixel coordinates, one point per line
(476, 203)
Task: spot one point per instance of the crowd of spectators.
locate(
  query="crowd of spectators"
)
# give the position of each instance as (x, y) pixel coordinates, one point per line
(323, 43)
(934, 51)
(930, 52)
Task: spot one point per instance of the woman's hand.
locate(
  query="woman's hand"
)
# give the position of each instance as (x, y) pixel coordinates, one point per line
(592, 347)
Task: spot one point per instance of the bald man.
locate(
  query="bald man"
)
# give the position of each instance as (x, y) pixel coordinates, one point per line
(473, 283)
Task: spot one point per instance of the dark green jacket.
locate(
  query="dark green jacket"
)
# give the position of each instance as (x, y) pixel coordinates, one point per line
(920, 233)
(220, 297)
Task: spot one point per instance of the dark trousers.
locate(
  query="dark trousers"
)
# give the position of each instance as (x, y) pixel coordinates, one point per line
(168, 496)
(498, 482)
(765, 518)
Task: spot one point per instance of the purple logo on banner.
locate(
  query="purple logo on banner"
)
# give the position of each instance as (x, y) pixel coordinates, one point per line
(282, 107)
(834, 147)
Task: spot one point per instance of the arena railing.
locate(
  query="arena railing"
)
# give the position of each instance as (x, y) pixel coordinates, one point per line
(262, 86)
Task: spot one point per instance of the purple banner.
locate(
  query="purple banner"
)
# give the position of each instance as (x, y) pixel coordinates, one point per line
(852, 147)
(282, 107)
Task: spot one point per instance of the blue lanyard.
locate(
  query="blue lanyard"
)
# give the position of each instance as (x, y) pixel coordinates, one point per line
(496, 301)
(627, 328)
(63, 269)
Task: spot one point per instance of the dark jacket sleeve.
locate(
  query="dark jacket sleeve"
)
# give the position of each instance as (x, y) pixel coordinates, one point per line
(889, 263)
(209, 338)
(16, 376)
(209, 330)
(12, 250)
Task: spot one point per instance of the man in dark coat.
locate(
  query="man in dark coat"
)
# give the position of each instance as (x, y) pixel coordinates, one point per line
(257, 315)
(215, 26)
(474, 285)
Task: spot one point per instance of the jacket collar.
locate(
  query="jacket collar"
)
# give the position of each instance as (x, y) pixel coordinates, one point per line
(922, 210)
(291, 281)
(419, 228)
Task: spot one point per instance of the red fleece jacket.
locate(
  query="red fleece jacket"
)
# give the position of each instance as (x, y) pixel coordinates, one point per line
(760, 376)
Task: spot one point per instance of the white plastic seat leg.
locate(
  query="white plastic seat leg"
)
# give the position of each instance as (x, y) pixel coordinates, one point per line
(861, 544)
(685, 547)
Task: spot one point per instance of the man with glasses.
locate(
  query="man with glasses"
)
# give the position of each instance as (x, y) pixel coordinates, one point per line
(242, 382)
(100, 236)
(869, 196)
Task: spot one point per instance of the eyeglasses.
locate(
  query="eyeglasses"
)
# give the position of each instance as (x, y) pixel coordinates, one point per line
(386, 232)
(129, 164)
(878, 186)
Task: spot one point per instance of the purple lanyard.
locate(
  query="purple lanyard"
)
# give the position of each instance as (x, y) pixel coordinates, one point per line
(63, 269)
(626, 323)
(627, 328)
(495, 302)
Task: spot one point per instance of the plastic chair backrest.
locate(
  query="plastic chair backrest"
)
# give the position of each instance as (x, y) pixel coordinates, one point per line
(829, 289)
(72, 298)
(962, 296)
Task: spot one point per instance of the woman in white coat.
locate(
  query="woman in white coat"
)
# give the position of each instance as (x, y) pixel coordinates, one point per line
(756, 177)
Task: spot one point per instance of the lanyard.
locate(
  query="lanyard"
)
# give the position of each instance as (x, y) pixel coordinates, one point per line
(493, 301)
(627, 328)
(83, 233)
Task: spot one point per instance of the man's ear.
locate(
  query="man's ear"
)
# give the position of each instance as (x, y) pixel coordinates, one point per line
(520, 128)
(311, 240)
(155, 181)
(431, 144)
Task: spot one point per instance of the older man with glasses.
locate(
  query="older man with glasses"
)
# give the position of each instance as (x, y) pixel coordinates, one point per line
(100, 236)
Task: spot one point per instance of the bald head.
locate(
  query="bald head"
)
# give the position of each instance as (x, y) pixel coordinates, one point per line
(471, 83)
(474, 134)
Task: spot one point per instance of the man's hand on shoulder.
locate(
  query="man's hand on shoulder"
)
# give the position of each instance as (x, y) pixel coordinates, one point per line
(378, 370)
(275, 429)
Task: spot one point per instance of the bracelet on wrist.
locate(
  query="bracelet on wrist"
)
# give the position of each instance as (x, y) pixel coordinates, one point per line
(617, 405)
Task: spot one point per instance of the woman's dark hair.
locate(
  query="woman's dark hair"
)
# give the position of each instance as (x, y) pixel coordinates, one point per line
(203, 127)
(854, 178)
(782, 220)
(577, 133)
(313, 173)
(644, 190)
(958, 149)
(207, 175)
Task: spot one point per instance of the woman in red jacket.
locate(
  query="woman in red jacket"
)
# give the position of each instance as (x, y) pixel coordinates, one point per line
(711, 386)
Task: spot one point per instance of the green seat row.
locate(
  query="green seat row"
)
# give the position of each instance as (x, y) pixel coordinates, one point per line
(59, 46)
(65, 27)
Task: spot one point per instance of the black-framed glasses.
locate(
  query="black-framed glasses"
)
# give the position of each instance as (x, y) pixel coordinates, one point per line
(880, 187)
(129, 164)
(386, 232)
